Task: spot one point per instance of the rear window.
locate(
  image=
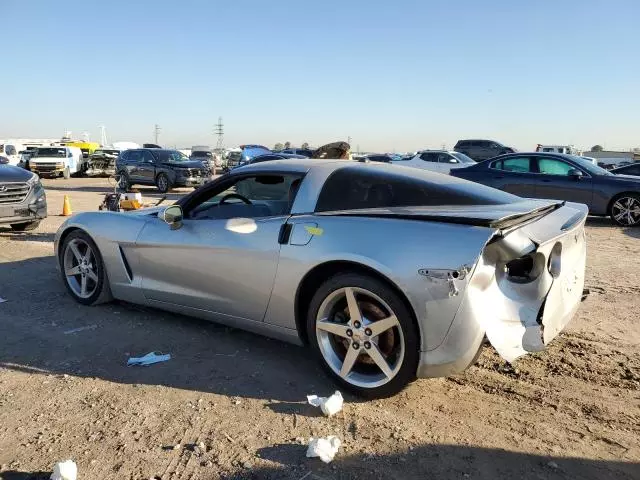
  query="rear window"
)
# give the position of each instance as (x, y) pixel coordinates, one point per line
(353, 188)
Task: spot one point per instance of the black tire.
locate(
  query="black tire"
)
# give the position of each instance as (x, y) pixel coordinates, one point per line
(25, 227)
(411, 335)
(125, 182)
(162, 183)
(622, 200)
(102, 293)
(66, 173)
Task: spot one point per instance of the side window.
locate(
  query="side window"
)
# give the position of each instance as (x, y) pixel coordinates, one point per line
(633, 170)
(429, 157)
(516, 164)
(124, 156)
(135, 156)
(551, 166)
(446, 158)
(250, 197)
(147, 157)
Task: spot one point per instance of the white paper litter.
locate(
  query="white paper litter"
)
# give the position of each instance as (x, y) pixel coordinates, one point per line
(148, 359)
(325, 448)
(329, 405)
(66, 470)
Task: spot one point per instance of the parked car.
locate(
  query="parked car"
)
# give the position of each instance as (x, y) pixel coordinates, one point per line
(291, 249)
(440, 161)
(267, 157)
(163, 168)
(373, 157)
(632, 169)
(481, 149)
(4, 160)
(23, 202)
(305, 152)
(56, 161)
(562, 177)
(102, 162)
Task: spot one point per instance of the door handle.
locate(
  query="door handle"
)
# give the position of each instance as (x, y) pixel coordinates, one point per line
(499, 177)
(546, 180)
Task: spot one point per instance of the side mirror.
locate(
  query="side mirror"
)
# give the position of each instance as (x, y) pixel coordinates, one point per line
(453, 160)
(576, 174)
(172, 216)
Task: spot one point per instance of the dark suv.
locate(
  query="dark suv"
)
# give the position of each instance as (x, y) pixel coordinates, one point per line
(481, 149)
(163, 168)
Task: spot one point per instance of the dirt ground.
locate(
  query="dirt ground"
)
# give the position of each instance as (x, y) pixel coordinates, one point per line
(230, 404)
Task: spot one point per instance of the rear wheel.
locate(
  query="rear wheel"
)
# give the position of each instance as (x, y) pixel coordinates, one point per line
(25, 227)
(162, 182)
(625, 210)
(83, 270)
(363, 335)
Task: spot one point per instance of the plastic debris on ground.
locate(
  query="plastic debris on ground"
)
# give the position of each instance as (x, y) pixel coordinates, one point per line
(81, 329)
(329, 405)
(325, 448)
(148, 359)
(66, 470)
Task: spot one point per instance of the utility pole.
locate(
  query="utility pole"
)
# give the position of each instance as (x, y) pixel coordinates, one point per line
(103, 135)
(156, 129)
(349, 140)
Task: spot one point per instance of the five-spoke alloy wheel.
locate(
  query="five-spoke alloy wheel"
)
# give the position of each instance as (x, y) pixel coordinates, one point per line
(364, 335)
(83, 270)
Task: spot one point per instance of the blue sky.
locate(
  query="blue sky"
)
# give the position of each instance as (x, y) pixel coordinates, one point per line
(399, 75)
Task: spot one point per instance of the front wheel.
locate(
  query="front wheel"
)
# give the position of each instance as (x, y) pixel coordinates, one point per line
(363, 335)
(625, 210)
(162, 182)
(66, 173)
(83, 269)
(25, 227)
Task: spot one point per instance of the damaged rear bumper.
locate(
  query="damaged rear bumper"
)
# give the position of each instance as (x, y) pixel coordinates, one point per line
(525, 288)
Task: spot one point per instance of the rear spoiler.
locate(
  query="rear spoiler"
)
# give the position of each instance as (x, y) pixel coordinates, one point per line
(486, 218)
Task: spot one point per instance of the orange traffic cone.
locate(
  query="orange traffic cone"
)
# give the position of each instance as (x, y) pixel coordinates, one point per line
(66, 207)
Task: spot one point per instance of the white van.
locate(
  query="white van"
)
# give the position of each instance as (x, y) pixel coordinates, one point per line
(56, 161)
(11, 150)
(568, 149)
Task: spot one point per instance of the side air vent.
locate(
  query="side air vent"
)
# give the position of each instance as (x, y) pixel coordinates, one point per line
(127, 267)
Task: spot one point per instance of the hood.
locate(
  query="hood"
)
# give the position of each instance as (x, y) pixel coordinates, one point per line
(147, 211)
(45, 159)
(626, 179)
(9, 174)
(188, 164)
(493, 216)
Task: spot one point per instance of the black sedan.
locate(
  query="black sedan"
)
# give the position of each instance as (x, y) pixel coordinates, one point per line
(563, 177)
(632, 169)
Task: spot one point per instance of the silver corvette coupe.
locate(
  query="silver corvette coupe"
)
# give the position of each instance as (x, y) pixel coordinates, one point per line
(386, 273)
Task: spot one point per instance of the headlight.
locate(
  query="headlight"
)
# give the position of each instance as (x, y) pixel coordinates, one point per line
(34, 181)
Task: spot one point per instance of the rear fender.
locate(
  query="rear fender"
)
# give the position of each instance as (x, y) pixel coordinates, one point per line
(528, 283)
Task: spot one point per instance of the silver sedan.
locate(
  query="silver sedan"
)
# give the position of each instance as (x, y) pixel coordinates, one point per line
(386, 273)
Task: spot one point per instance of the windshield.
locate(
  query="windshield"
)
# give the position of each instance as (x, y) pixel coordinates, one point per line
(173, 156)
(589, 166)
(201, 154)
(463, 158)
(51, 152)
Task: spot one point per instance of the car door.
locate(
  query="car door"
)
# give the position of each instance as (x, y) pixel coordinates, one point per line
(132, 162)
(224, 257)
(555, 181)
(514, 175)
(147, 167)
(426, 161)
